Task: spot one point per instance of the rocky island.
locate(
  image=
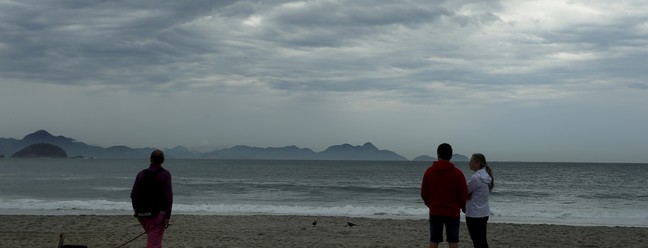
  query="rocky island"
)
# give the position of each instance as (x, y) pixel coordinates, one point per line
(41, 150)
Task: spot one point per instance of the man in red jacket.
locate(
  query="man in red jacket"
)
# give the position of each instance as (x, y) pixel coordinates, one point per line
(444, 192)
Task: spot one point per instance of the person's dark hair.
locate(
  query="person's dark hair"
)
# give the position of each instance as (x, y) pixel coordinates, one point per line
(157, 157)
(481, 160)
(444, 151)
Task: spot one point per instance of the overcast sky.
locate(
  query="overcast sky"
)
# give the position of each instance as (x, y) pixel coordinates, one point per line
(515, 80)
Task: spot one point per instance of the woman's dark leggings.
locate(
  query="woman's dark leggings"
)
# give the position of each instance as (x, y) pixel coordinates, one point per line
(477, 231)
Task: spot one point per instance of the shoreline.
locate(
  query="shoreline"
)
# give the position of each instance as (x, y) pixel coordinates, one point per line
(294, 231)
(493, 219)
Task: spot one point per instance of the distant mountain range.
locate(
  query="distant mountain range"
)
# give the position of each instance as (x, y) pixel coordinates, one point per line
(75, 148)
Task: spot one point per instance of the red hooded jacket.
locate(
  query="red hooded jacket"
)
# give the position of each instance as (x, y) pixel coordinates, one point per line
(444, 189)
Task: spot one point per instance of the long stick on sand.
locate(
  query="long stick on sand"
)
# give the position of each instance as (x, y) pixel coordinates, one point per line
(133, 239)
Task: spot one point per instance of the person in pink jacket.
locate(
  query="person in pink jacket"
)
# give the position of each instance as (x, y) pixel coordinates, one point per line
(152, 199)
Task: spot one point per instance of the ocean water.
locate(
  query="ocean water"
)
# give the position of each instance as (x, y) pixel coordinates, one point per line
(552, 193)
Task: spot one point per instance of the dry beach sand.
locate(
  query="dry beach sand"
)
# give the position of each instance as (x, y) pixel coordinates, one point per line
(294, 231)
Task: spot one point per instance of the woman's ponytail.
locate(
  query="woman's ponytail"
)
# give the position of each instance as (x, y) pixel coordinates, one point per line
(481, 159)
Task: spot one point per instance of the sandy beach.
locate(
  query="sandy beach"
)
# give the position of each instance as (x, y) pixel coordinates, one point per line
(294, 231)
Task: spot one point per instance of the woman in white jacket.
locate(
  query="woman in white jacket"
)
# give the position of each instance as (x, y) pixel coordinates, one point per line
(480, 184)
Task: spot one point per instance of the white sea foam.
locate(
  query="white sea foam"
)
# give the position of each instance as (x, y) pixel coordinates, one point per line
(529, 216)
(347, 210)
(572, 216)
(35, 204)
(112, 188)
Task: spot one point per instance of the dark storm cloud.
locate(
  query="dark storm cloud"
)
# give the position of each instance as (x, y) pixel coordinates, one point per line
(100, 42)
(332, 25)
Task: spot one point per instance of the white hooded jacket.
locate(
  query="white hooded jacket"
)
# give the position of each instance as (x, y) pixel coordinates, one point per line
(477, 205)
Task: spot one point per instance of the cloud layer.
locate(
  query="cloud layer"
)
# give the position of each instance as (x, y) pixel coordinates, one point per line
(519, 80)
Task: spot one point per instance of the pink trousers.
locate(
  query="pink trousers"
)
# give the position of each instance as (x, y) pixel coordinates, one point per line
(154, 227)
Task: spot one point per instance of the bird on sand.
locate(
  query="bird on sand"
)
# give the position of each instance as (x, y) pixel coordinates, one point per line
(314, 223)
(349, 224)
